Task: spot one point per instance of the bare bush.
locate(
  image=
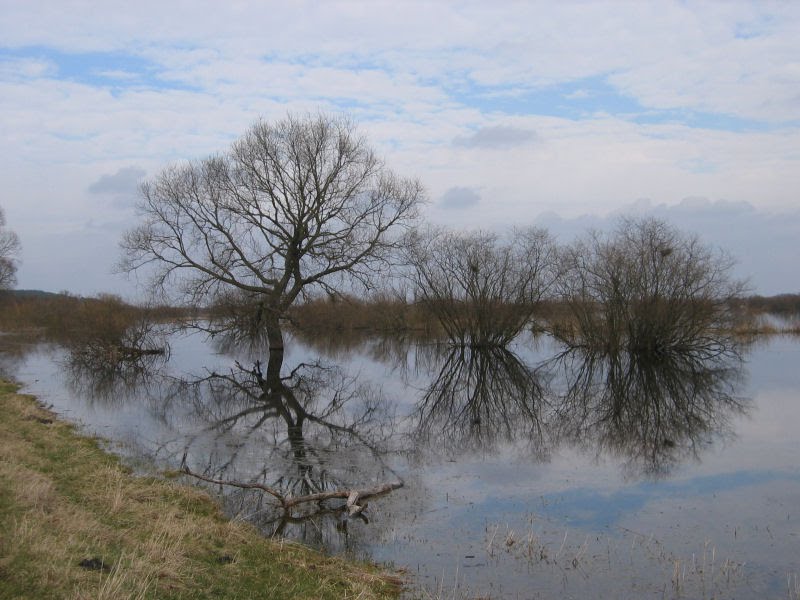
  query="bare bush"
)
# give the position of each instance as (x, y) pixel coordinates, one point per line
(647, 287)
(483, 289)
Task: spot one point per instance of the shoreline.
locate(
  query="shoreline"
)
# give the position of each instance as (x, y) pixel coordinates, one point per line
(76, 523)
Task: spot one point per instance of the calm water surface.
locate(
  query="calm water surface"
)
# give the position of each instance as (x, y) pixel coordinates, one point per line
(527, 474)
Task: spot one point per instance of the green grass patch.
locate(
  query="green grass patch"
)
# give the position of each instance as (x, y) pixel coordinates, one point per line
(74, 523)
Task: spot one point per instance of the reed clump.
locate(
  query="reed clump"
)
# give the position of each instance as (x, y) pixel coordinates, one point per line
(64, 317)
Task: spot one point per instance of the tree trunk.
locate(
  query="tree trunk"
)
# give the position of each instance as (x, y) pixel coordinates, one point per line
(274, 334)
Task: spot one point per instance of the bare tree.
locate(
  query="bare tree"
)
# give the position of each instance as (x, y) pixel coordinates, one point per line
(9, 250)
(292, 205)
(483, 289)
(647, 287)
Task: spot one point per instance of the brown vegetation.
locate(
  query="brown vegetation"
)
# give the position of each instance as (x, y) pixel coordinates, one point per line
(783, 304)
(64, 317)
(378, 313)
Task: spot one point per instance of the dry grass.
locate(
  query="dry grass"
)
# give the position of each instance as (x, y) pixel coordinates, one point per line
(63, 501)
(624, 556)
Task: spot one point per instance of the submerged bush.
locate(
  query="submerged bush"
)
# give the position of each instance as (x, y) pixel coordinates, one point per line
(482, 288)
(647, 287)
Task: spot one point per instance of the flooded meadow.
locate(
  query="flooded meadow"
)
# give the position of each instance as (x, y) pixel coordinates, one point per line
(530, 471)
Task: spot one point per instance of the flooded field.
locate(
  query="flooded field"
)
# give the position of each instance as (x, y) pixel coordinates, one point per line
(530, 472)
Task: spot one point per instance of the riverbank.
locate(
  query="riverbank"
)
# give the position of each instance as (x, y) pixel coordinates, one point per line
(75, 523)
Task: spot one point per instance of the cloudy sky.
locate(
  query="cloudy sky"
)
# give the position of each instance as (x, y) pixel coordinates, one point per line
(562, 114)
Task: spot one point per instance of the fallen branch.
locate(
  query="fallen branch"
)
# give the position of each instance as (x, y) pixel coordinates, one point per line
(247, 486)
(355, 497)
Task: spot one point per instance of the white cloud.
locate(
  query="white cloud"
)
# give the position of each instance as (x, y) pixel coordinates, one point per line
(667, 55)
(417, 76)
(119, 74)
(24, 69)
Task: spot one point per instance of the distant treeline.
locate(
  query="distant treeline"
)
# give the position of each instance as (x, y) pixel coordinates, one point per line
(783, 304)
(386, 313)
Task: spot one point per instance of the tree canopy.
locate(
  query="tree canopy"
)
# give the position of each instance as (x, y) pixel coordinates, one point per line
(293, 205)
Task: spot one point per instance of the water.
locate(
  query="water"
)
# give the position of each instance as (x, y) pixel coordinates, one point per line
(525, 476)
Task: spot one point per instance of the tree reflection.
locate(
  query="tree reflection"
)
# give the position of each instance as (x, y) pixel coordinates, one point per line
(481, 398)
(654, 412)
(14, 347)
(310, 431)
(113, 365)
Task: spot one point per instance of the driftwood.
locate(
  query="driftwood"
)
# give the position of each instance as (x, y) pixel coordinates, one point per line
(355, 497)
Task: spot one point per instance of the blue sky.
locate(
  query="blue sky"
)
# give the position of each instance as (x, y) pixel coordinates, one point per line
(511, 113)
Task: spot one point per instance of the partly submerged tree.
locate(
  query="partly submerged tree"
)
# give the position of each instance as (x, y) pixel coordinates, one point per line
(647, 287)
(298, 204)
(9, 250)
(483, 289)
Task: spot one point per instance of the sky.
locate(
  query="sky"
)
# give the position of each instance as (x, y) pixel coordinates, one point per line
(559, 114)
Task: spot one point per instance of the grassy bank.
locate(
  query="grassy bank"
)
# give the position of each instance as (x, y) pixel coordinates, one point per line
(74, 523)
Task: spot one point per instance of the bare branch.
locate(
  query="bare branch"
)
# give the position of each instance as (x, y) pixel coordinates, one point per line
(647, 288)
(353, 496)
(482, 289)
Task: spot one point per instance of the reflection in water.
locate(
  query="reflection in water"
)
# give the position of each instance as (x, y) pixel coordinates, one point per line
(103, 369)
(311, 431)
(13, 350)
(389, 348)
(653, 411)
(306, 428)
(480, 398)
(315, 429)
(309, 415)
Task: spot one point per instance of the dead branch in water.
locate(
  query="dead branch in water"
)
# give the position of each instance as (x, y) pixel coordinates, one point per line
(355, 497)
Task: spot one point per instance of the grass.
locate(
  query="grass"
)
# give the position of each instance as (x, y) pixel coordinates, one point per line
(64, 501)
(652, 569)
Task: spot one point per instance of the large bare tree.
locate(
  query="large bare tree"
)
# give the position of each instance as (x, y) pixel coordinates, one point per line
(298, 204)
(9, 250)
